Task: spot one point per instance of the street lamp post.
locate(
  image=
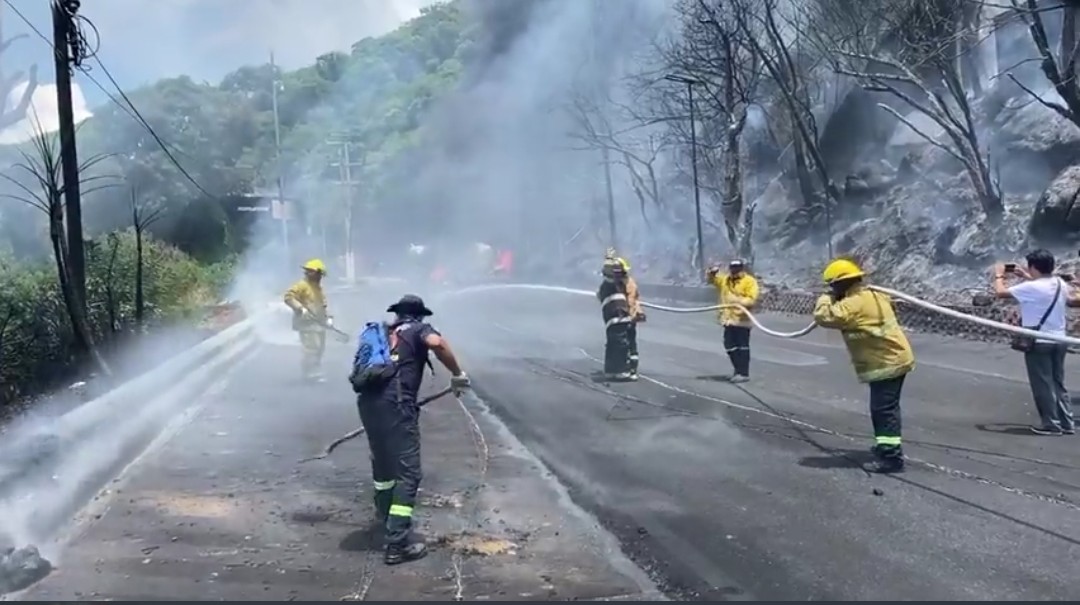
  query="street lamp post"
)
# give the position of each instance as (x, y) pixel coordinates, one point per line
(277, 148)
(690, 82)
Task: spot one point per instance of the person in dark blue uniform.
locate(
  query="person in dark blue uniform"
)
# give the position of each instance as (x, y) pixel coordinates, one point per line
(391, 419)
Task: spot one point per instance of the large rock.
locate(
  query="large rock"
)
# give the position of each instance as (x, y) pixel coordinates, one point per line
(1031, 127)
(1057, 215)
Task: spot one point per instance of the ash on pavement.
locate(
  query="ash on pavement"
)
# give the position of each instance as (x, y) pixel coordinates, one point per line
(223, 511)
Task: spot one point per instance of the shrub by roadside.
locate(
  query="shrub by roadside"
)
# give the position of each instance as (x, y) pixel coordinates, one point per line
(36, 340)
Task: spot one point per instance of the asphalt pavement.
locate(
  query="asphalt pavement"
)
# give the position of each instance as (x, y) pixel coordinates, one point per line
(754, 491)
(680, 482)
(221, 506)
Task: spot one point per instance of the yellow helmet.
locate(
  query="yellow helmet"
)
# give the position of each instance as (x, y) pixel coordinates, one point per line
(625, 263)
(613, 267)
(315, 265)
(840, 269)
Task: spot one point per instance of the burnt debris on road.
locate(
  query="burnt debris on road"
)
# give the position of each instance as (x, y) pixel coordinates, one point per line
(689, 487)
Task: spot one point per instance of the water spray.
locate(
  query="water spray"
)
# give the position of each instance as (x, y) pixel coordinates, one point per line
(918, 302)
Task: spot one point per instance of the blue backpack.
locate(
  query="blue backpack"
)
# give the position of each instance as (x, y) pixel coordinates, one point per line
(374, 364)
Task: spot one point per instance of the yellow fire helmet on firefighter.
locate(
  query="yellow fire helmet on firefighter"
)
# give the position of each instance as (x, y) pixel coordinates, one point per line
(841, 269)
(613, 267)
(316, 265)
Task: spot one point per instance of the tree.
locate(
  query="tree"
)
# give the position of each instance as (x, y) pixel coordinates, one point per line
(9, 117)
(920, 68)
(142, 217)
(637, 145)
(714, 49)
(780, 43)
(1060, 68)
(46, 193)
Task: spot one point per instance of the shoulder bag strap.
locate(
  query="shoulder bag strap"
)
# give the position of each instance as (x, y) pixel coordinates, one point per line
(1053, 303)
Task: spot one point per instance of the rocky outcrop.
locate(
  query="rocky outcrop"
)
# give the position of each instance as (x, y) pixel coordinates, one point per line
(1057, 215)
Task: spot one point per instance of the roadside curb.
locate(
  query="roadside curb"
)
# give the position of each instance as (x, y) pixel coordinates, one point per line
(49, 474)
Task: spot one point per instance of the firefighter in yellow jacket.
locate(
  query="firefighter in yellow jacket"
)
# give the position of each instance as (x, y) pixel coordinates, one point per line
(310, 318)
(879, 351)
(737, 287)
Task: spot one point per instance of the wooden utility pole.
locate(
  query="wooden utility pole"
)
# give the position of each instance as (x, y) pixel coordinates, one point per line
(63, 13)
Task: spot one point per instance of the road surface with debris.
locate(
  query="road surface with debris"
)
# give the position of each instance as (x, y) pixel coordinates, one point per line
(754, 491)
(713, 491)
(221, 508)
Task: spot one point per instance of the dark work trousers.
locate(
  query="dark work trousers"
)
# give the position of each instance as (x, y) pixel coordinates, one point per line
(737, 344)
(395, 459)
(383, 470)
(885, 415)
(617, 348)
(1046, 374)
(632, 347)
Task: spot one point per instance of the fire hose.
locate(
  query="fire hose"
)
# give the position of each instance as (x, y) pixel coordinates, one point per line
(918, 302)
(353, 434)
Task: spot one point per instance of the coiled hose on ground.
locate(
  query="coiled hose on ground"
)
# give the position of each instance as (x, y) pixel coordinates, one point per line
(929, 306)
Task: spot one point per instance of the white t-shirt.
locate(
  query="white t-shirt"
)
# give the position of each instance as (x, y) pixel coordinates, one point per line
(1035, 296)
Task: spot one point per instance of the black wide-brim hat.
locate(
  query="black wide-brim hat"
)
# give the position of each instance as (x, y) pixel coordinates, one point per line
(410, 304)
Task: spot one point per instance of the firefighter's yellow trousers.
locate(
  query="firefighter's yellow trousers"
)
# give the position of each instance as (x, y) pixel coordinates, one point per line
(313, 345)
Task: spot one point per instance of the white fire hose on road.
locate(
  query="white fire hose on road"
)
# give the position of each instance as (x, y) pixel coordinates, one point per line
(918, 302)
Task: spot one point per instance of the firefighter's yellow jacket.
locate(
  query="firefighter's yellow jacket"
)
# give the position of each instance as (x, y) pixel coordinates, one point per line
(877, 344)
(310, 296)
(742, 290)
(633, 297)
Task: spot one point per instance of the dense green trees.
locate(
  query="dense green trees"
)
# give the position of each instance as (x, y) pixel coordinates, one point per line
(214, 142)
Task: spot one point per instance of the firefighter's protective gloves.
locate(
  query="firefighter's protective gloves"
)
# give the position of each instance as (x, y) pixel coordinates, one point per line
(460, 384)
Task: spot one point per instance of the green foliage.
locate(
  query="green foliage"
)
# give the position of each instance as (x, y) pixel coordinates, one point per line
(223, 135)
(36, 342)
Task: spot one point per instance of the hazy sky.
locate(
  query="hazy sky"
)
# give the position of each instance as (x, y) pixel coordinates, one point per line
(143, 40)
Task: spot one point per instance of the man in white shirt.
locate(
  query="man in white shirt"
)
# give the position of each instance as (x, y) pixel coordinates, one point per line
(1043, 298)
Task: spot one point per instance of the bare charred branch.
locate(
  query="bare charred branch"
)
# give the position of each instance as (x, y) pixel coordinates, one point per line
(923, 73)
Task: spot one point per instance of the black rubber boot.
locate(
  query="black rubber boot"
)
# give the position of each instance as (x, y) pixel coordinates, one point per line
(885, 466)
(397, 554)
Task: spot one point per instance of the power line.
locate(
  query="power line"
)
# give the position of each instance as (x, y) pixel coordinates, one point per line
(129, 108)
(149, 129)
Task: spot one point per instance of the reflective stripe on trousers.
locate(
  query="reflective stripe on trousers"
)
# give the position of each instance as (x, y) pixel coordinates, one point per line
(400, 510)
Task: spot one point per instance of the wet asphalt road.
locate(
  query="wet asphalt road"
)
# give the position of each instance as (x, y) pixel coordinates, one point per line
(717, 491)
(754, 491)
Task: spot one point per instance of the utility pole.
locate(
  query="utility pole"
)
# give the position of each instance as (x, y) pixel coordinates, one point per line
(346, 178)
(345, 167)
(612, 233)
(690, 82)
(64, 41)
(280, 168)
